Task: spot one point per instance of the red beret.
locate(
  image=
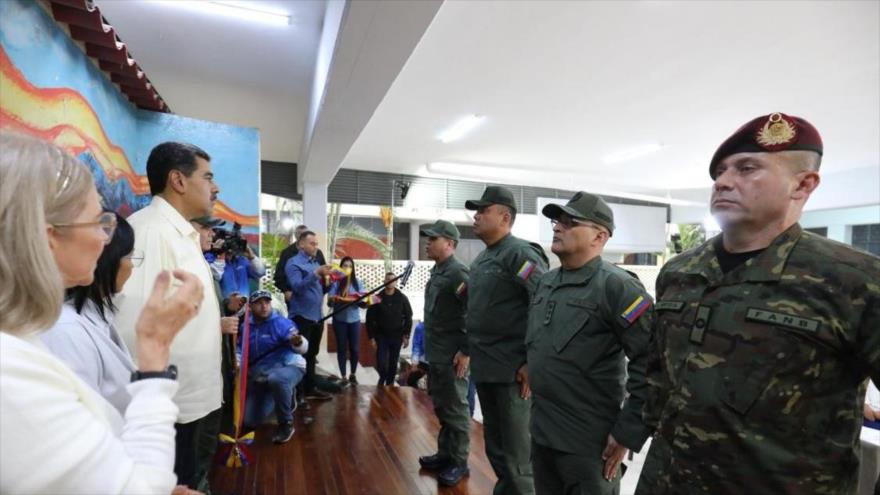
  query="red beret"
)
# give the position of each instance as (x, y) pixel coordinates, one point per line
(767, 134)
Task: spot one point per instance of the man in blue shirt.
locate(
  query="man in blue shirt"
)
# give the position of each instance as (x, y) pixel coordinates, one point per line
(240, 269)
(275, 365)
(306, 276)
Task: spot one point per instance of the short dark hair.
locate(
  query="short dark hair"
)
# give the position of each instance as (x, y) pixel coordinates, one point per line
(304, 234)
(390, 273)
(103, 286)
(170, 156)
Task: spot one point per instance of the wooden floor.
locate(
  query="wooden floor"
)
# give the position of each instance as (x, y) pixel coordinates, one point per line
(367, 440)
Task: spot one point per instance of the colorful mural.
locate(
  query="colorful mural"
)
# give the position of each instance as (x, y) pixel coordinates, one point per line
(50, 89)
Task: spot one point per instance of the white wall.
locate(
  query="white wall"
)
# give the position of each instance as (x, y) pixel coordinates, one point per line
(281, 122)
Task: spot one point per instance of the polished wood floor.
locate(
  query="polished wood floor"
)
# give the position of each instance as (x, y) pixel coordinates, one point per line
(367, 440)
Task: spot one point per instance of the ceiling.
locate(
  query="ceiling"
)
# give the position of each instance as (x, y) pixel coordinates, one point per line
(563, 84)
(228, 69)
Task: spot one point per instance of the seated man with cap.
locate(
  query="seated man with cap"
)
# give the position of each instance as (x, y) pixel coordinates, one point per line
(275, 364)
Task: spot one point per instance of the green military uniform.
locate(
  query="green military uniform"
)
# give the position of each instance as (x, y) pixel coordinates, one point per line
(445, 307)
(502, 279)
(757, 381)
(582, 323)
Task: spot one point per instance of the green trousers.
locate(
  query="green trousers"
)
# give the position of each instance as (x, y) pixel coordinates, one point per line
(506, 430)
(564, 473)
(449, 395)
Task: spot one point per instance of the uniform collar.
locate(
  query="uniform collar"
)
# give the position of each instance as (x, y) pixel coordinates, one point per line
(501, 243)
(441, 267)
(579, 276)
(174, 217)
(765, 267)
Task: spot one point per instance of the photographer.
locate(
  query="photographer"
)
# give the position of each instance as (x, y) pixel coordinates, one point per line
(242, 265)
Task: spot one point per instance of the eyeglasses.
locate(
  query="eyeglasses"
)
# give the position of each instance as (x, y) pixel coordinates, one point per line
(107, 222)
(568, 223)
(136, 257)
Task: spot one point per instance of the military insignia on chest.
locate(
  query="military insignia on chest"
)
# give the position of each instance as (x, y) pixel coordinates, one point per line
(782, 319)
(548, 316)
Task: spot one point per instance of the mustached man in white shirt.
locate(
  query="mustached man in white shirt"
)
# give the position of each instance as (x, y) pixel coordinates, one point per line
(183, 188)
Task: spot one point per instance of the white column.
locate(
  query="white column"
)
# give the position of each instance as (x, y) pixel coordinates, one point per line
(315, 211)
(414, 241)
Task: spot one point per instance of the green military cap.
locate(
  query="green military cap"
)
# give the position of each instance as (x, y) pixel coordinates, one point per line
(493, 195)
(583, 206)
(441, 228)
(208, 221)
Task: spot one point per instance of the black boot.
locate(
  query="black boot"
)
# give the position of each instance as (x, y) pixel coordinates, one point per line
(434, 462)
(453, 474)
(285, 431)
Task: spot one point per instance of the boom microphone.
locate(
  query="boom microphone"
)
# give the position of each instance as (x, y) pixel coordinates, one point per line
(406, 273)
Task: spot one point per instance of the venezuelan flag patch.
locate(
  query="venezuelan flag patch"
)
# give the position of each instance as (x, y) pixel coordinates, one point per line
(525, 270)
(636, 309)
(461, 289)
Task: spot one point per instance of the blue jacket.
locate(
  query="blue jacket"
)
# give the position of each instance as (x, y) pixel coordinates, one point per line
(418, 342)
(237, 275)
(271, 339)
(350, 314)
(306, 287)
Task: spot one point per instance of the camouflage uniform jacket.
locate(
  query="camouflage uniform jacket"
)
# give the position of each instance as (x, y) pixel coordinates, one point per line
(501, 282)
(757, 377)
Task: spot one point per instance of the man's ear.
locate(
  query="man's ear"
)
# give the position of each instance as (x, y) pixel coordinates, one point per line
(176, 181)
(807, 182)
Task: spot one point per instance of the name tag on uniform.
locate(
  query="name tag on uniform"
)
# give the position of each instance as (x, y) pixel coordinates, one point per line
(668, 305)
(581, 303)
(774, 318)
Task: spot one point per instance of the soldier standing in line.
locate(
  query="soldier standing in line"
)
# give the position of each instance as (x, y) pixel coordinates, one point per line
(765, 335)
(502, 279)
(585, 317)
(446, 350)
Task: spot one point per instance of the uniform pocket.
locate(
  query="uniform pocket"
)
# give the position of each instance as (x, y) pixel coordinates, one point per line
(575, 321)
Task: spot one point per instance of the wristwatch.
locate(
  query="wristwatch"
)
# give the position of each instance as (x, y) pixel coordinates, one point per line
(170, 373)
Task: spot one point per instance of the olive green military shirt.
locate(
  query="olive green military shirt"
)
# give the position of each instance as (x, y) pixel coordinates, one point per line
(502, 279)
(445, 307)
(581, 325)
(757, 380)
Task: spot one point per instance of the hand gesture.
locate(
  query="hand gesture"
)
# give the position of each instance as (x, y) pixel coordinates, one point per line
(161, 319)
(373, 343)
(323, 270)
(296, 340)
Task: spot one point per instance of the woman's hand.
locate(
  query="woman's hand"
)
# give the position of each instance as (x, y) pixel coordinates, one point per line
(162, 318)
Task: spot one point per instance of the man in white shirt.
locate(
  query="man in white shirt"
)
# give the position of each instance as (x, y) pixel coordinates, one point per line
(183, 188)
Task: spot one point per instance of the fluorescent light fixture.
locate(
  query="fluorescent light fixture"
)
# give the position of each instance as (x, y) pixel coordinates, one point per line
(240, 10)
(460, 128)
(622, 156)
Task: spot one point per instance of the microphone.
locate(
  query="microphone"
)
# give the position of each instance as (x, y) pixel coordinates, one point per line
(406, 273)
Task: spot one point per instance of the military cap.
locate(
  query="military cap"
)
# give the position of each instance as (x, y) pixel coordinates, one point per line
(768, 134)
(260, 294)
(493, 195)
(441, 228)
(583, 206)
(208, 221)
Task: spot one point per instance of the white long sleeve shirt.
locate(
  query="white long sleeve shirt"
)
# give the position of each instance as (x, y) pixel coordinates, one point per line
(170, 242)
(57, 435)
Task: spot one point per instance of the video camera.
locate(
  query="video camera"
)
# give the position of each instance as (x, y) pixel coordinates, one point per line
(233, 242)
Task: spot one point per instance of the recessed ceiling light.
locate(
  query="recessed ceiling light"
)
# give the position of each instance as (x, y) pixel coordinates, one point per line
(460, 128)
(622, 156)
(240, 10)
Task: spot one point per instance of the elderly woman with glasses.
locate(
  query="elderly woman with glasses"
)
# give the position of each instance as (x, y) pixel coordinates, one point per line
(59, 435)
(84, 336)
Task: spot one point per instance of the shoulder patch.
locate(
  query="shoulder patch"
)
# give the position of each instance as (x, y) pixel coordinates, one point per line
(525, 270)
(461, 289)
(636, 309)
